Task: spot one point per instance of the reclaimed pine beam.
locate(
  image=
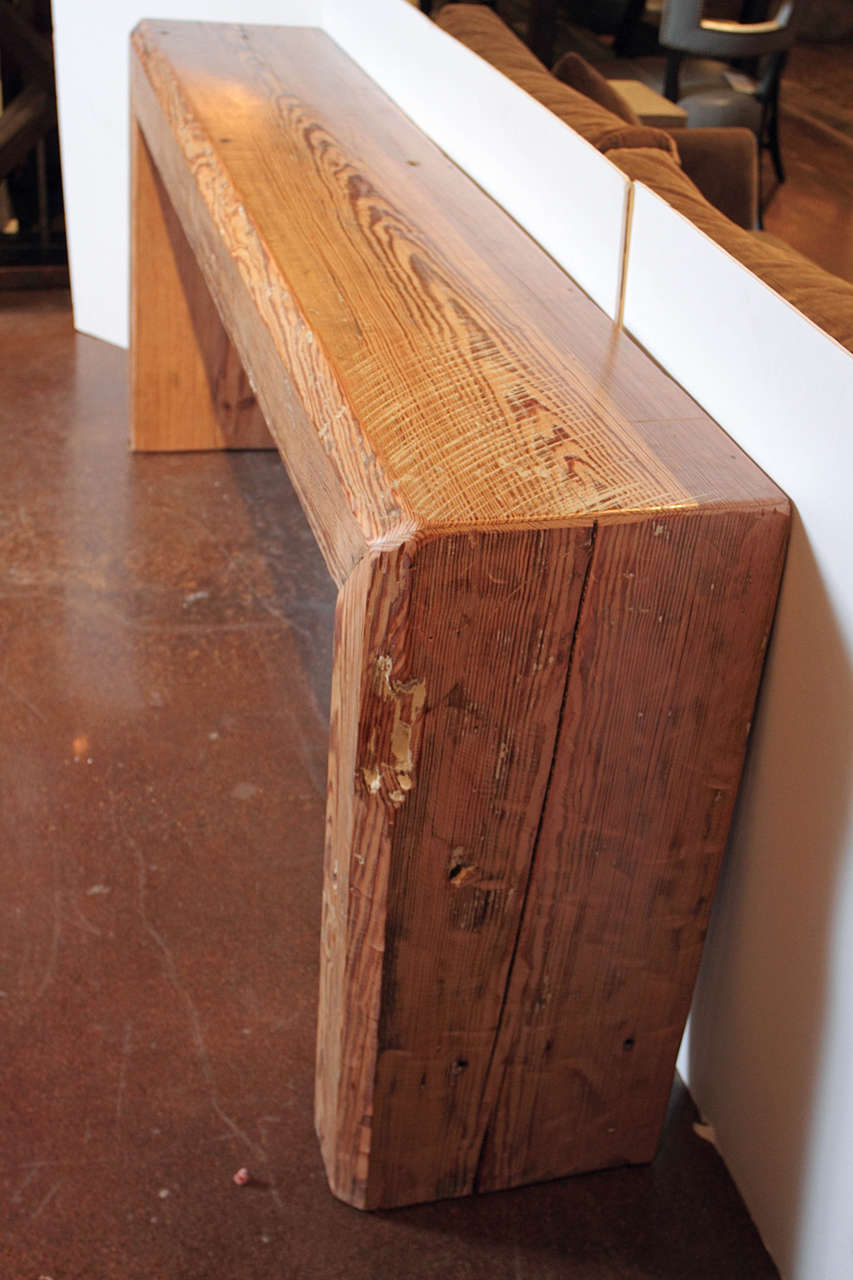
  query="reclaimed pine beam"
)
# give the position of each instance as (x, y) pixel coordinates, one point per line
(557, 578)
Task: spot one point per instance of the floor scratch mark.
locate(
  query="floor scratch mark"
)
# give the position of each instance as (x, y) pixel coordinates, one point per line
(170, 970)
(122, 1075)
(54, 943)
(16, 693)
(45, 1201)
(19, 1194)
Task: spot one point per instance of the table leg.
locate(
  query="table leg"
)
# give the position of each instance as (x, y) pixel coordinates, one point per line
(188, 388)
(536, 740)
(450, 673)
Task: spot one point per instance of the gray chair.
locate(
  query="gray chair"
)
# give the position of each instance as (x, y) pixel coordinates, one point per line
(746, 97)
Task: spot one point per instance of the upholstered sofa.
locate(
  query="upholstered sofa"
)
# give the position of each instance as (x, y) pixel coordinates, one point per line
(707, 175)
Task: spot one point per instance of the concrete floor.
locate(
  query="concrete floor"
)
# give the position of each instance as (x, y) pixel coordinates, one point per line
(165, 629)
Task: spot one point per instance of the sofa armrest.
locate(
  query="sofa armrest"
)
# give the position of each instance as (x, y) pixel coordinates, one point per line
(723, 163)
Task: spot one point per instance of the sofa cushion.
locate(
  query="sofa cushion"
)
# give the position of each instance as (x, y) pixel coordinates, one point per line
(486, 34)
(577, 73)
(823, 298)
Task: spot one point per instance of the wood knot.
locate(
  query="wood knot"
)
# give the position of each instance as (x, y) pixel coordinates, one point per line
(460, 871)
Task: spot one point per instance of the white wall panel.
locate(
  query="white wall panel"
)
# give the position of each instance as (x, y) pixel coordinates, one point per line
(770, 1052)
(91, 50)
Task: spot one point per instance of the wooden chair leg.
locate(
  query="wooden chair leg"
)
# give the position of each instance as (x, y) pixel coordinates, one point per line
(542, 29)
(772, 135)
(673, 67)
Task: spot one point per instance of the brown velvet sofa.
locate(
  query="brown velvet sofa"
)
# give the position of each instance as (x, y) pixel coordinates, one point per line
(709, 179)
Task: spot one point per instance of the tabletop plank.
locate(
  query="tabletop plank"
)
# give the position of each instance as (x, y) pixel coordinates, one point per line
(422, 329)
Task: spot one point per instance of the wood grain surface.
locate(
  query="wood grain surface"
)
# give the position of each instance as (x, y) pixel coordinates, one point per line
(449, 682)
(454, 373)
(673, 631)
(557, 579)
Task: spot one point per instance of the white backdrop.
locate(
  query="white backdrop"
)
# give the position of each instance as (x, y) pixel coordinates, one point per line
(770, 1053)
(91, 49)
(771, 1049)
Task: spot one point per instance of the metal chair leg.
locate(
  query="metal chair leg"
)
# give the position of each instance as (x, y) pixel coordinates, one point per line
(674, 58)
(773, 139)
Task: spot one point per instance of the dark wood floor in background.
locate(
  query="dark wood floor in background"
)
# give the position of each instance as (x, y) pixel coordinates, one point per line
(164, 667)
(813, 209)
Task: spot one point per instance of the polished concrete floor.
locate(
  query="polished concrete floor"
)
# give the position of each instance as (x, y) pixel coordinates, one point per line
(165, 630)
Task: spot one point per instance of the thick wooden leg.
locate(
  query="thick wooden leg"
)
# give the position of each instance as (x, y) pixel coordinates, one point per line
(536, 742)
(667, 659)
(450, 672)
(188, 388)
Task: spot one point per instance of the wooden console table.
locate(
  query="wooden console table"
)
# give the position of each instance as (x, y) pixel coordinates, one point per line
(557, 578)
